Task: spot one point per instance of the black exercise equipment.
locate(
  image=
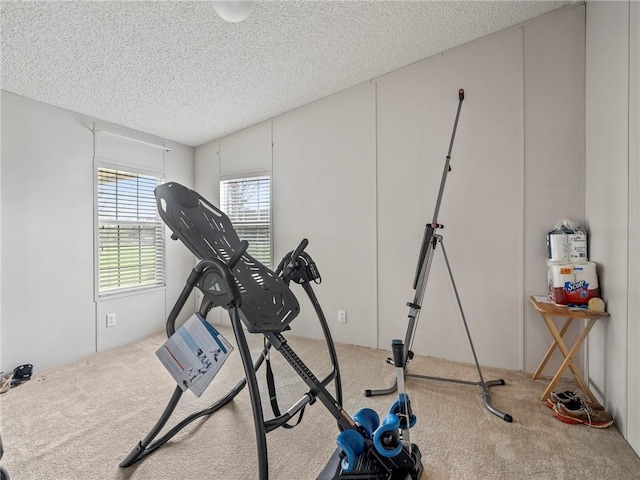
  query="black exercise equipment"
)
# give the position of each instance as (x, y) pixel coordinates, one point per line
(4, 475)
(429, 242)
(261, 300)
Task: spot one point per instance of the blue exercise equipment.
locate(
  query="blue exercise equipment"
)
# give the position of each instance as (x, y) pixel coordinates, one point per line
(352, 444)
(402, 405)
(387, 437)
(367, 419)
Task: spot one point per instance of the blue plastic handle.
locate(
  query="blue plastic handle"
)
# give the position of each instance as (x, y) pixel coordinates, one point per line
(398, 408)
(368, 419)
(353, 445)
(389, 426)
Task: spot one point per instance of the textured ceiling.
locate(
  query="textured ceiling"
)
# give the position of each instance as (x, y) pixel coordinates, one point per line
(176, 70)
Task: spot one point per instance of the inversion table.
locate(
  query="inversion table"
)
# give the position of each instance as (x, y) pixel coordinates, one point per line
(261, 301)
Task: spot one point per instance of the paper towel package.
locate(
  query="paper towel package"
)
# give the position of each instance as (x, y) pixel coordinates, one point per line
(572, 283)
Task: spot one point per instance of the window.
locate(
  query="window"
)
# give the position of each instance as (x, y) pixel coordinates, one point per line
(247, 203)
(131, 251)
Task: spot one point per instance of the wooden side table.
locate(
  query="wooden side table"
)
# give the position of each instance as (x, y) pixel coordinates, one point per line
(547, 311)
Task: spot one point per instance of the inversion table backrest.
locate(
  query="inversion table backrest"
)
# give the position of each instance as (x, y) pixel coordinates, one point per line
(268, 305)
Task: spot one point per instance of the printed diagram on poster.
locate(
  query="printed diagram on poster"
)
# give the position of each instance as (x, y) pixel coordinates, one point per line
(194, 354)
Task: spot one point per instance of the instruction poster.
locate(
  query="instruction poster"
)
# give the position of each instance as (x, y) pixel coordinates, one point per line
(194, 354)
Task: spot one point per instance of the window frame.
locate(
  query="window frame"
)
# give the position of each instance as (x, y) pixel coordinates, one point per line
(99, 164)
(252, 174)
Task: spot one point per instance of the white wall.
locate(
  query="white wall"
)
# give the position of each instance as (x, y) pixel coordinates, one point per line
(179, 167)
(49, 312)
(554, 66)
(248, 151)
(324, 189)
(207, 183)
(1, 329)
(207, 167)
(612, 184)
(482, 200)
(633, 342)
(357, 174)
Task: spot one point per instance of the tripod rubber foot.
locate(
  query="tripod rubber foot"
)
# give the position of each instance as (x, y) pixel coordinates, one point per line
(508, 418)
(502, 382)
(367, 393)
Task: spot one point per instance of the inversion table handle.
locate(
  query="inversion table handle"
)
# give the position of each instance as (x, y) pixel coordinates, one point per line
(397, 346)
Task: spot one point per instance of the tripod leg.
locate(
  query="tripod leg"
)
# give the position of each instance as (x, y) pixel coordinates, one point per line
(382, 391)
(420, 285)
(483, 385)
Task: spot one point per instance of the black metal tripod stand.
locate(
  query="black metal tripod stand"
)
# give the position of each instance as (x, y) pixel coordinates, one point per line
(429, 242)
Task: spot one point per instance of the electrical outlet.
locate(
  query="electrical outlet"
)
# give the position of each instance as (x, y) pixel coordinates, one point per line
(342, 316)
(111, 320)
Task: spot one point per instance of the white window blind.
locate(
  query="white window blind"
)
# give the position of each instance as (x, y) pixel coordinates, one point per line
(131, 245)
(247, 203)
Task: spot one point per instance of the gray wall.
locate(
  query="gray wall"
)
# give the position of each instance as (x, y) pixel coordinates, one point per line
(48, 309)
(482, 200)
(324, 181)
(613, 204)
(49, 313)
(357, 174)
(554, 168)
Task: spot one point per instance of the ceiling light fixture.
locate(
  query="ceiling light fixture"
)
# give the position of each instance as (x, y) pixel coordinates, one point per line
(233, 10)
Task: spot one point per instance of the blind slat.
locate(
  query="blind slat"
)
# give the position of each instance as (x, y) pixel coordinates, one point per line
(131, 244)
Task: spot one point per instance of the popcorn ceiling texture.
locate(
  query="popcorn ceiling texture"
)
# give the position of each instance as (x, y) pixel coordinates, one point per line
(178, 71)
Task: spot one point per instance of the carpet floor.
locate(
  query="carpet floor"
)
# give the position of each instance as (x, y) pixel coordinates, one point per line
(79, 420)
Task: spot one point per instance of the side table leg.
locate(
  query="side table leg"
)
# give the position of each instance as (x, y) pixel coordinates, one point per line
(552, 348)
(569, 356)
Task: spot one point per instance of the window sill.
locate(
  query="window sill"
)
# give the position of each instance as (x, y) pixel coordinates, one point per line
(129, 293)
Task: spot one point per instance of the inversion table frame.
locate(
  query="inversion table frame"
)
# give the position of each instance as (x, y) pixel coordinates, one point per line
(429, 243)
(261, 300)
